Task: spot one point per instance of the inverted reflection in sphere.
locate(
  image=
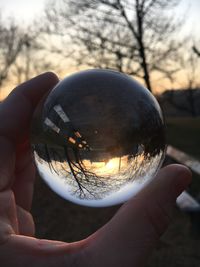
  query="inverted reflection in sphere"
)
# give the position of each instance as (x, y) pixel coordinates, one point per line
(98, 138)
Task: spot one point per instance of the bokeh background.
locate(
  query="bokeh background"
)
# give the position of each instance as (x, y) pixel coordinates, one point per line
(156, 42)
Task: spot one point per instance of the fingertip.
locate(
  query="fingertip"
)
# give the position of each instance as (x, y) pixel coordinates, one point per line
(180, 174)
(50, 75)
(37, 87)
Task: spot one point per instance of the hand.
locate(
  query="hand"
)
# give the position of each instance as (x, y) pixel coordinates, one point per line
(127, 240)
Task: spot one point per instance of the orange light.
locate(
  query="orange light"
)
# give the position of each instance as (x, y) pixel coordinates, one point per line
(72, 140)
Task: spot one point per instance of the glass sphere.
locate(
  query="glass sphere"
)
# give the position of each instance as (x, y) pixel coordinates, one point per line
(98, 138)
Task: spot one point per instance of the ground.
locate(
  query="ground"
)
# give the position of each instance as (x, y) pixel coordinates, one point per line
(61, 220)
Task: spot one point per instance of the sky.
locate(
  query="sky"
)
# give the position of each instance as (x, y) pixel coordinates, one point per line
(26, 10)
(22, 10)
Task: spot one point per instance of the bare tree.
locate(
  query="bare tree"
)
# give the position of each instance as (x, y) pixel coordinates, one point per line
(22, 53)
(185, 100)
(135, 37)
(11, 44)
(33, 58)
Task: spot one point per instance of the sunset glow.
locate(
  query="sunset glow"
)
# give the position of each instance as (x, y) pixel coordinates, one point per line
(25, 12)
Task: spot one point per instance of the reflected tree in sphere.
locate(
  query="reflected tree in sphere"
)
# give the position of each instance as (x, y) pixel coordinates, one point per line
(98, 137)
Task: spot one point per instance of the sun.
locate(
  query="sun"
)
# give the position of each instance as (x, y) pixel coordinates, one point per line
(110, 164)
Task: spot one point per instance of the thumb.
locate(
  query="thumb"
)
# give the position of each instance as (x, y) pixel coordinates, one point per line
(132, 234)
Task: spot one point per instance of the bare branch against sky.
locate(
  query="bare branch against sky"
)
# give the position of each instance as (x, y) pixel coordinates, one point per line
(21, 53)
(196, 50)
(11, 43)
(136, 37)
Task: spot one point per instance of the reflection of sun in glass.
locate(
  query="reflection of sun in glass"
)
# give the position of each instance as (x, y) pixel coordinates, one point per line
(112, 164)
(109, 167)
(106, 168)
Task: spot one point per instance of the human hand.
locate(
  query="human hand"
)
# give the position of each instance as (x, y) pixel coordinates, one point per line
(126, 240)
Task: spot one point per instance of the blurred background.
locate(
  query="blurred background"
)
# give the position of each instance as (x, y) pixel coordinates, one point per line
(156, 42)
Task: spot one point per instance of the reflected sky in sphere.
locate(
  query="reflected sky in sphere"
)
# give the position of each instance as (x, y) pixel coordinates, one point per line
(98, 138)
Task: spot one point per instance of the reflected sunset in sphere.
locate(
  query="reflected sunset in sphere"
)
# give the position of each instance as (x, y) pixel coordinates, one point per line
(98, 138)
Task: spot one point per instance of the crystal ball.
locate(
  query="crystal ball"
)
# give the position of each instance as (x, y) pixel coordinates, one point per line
(98, 138)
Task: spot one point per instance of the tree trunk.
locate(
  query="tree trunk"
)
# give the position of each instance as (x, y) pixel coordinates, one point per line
(191, 100)
(139, 10)
(145, 68)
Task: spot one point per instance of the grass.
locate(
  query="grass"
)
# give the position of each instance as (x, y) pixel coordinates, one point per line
(184, 134)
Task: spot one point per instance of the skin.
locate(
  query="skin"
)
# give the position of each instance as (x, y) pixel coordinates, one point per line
(126, 240)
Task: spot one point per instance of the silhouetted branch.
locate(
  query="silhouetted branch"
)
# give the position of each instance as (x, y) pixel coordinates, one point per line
(134, 37)
(196, 51)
